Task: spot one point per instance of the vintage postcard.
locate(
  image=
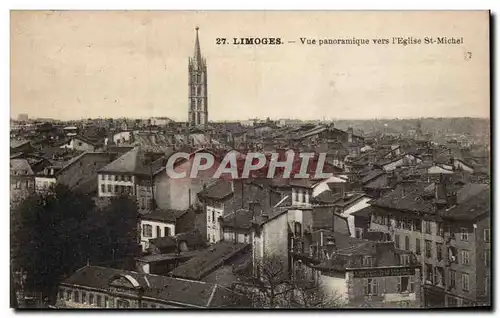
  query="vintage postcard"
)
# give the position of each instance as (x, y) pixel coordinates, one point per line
(250, 159)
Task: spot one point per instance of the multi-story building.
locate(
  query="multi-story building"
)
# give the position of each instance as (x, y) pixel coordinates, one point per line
(356, 272)
(447, 227)
(104, 287)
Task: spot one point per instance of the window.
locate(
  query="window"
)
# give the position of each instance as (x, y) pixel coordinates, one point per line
(213, 216)
(439, 276)
(158, 231)
(122, 303)
(405, 284)
(440, 229)
(99, 300)
(396, 240)
(110, 177)
(464, 234)
(487, 258)
(106, 302)
(417, 225)
(153, 306)
(439, 251)
(428, 273)
(68, 295)
(417, 246)
(407, 243)
(167, 231)
(103, 188)
(109, 188)
(208, 217)
(404, 259)
(147, 230)
(371, 286)
(453, 276)
(452, 301)
(428, 229)
(367, 261)
(487, 235)
(103, 176)
(84, 297)
(465, 282)
(428, 249)
(359, 233)
(61, 294)
(464, 257)
(116, 189)
(76, 296)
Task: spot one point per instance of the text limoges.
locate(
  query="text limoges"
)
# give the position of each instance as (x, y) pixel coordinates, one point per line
(249, 41)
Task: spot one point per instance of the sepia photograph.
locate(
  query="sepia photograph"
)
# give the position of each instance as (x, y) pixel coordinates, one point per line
(250, 160)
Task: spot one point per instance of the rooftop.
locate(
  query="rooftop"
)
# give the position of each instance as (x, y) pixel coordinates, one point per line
(179, 291)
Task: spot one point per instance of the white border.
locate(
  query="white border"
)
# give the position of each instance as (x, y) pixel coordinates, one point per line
(201, 5)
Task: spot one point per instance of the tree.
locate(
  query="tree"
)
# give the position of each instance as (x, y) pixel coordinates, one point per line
(46, 236)
(265, 282)
(269, 285)
(112, 231)
(54, 234)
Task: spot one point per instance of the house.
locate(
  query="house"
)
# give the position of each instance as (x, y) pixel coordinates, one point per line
(104, 287)
(158, 223)
(130, 174)
(224, 197)
(22, 180)
(80, 143)
(81, 171)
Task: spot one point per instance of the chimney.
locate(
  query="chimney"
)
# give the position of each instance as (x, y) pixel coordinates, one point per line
(350, 132)
(331, 247)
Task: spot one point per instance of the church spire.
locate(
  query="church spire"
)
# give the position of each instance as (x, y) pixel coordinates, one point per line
(197, 50)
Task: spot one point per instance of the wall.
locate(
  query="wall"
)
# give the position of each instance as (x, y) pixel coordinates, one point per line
(154, 224)
(334, 285)
(361, 204)
(83, 169)
(43, 184)
(104, 179)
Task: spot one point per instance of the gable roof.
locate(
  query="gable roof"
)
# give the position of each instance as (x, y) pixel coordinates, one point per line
(132, 162)
(219, 190)
(169, 216)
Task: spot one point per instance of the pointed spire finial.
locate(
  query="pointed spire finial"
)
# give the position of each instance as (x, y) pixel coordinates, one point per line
(197, 50)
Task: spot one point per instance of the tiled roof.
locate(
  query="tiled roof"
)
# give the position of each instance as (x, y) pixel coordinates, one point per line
(221, 189)
(164, 215)
(240, 219)
(474, 207)
(372, 175)
(208, 260)
(163, 288)
(192, 238)
(20, 166)
(132, 162)
(407, 197)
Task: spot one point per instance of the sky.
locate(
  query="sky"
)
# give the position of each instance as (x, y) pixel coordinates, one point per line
(88, 64)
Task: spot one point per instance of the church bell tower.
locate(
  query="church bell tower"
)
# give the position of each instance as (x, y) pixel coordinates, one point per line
(198, 101)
